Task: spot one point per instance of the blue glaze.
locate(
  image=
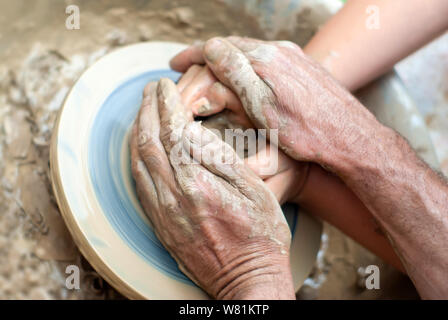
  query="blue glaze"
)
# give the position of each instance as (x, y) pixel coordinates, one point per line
(107, 135)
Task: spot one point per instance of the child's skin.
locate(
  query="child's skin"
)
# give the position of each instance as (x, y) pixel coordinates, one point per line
(355, 54)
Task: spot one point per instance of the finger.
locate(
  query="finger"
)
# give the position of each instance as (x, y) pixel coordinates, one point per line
(217, 98)
(198, 86)
(144, 183)
(202, 107)
(259, 50)
(188, 77)
(186, 58)
(245, 44)
(230, 65)
(173, 114)
(217, 156)
(156, 160)
(150, 147)
(148, 118)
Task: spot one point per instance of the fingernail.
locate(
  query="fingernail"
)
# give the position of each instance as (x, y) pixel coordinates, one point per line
(214, 49)
(205, 108)
(166, 86)
(167, 93)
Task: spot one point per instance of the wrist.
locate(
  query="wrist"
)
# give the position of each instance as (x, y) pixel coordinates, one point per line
(269, 288)
(299, 177)
(264, 274)
(359, 149)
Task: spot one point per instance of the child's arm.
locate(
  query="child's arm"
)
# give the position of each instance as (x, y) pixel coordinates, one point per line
(367, 37)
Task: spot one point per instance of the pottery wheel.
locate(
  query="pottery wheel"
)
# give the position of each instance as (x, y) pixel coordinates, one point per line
(90, 168)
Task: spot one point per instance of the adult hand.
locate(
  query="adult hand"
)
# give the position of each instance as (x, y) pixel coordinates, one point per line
(204, 95)
(281, 88)
(318, 120)
(320, 193)
(217, 219)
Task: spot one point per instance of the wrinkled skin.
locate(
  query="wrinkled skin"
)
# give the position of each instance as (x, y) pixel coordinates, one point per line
(204, 95)
(281, 88)
(294, 181)
(319, 121)
(219, 221)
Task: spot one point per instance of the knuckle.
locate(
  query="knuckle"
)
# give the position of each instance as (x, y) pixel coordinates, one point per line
(147, 140)
(191, 192)
(150, 154)
(142, 138)
(166, 136)
(211, 42)
(171, 207)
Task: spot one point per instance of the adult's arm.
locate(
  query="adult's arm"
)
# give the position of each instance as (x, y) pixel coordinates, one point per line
(319, 121)
(321, 193)
(407, 198)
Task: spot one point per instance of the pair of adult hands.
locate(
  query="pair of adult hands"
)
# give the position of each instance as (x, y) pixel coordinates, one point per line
(219, 220)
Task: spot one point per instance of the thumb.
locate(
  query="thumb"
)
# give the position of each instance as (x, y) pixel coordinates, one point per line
(218, 157)
(231, 66)
(173, 114)
(188, 57)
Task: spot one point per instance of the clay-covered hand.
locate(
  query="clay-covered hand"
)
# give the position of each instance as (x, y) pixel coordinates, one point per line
(204, 95)
(281, 88)
(216, 218)
(317, 191)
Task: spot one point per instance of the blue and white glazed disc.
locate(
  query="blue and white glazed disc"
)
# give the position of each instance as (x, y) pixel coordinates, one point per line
(91, 175)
